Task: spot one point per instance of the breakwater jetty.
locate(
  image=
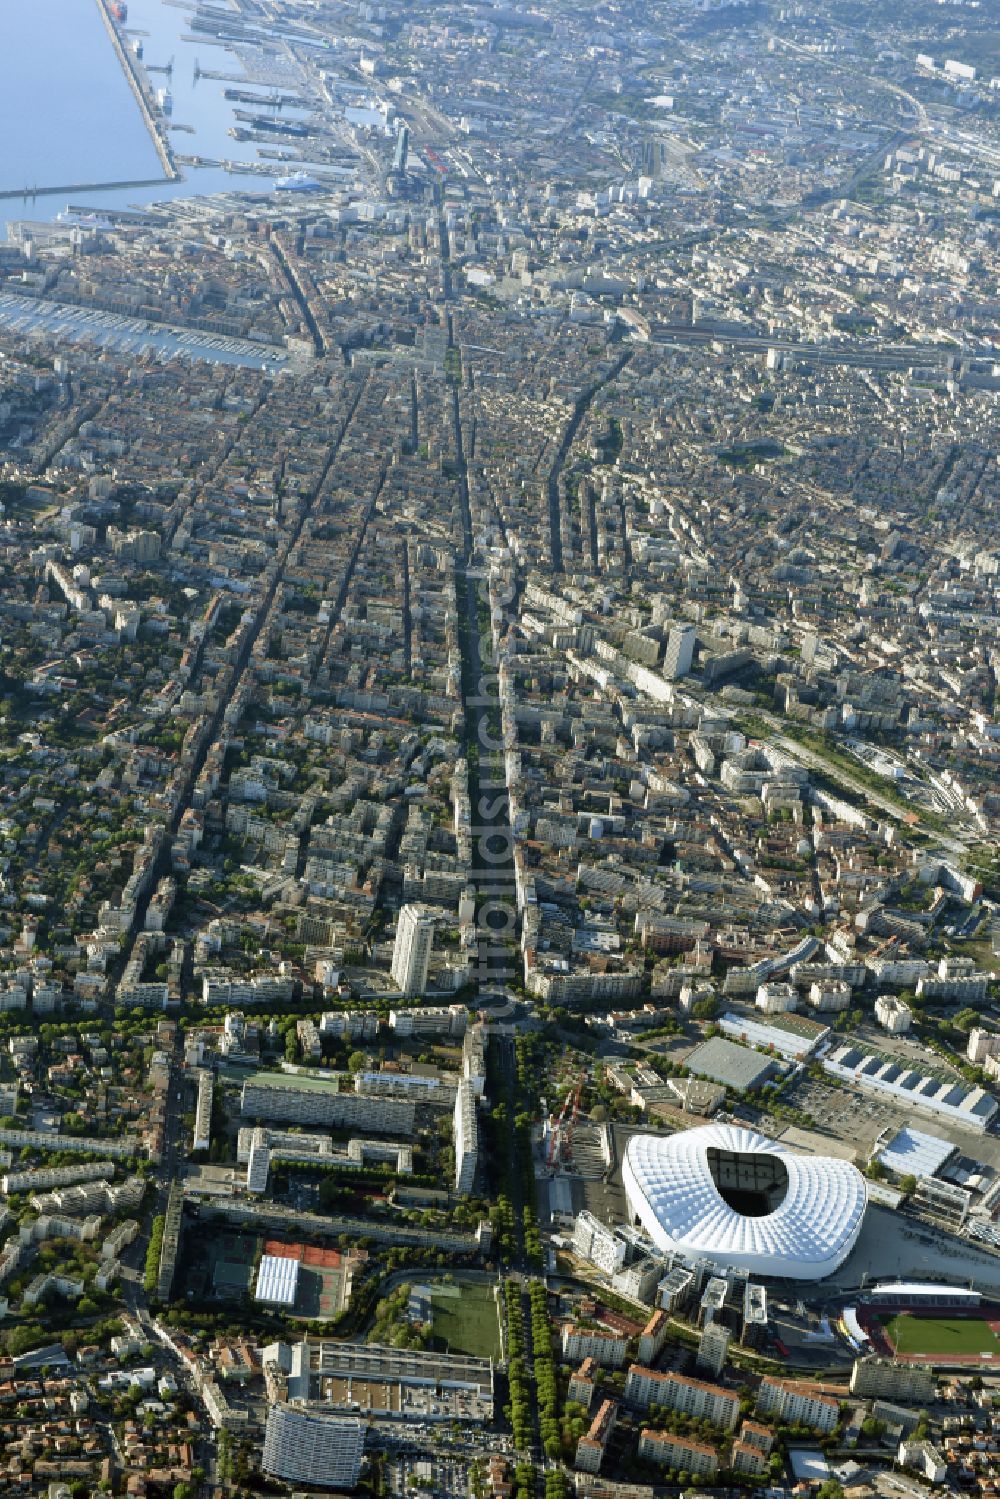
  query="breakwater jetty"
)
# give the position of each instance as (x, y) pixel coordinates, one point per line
(140, 89)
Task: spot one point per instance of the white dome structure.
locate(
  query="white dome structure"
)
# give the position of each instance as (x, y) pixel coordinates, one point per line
(728, 1194)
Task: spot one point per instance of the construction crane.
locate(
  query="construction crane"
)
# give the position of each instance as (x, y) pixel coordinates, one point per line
(568, 1146)
(551, 1153)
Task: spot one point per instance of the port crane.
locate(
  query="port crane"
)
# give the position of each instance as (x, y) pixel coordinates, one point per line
(160, 67)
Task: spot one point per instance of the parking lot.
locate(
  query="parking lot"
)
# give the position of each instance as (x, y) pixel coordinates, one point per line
(445, 1477)
(854, 1118)
(845, 1113)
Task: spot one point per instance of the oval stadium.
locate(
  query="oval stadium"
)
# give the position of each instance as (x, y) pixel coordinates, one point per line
(729, 1195)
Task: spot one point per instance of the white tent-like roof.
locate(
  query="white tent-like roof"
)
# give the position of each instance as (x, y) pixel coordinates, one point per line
(277, 1280)
(811, 1230)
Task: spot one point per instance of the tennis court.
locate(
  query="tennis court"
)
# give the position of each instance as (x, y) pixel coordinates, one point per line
(233, 1258)
(321, 1277)
(306, 1254)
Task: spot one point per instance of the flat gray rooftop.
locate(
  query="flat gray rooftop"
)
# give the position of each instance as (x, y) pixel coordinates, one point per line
(730, 1064)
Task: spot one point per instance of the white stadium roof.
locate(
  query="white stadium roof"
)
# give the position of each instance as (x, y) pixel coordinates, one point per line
(729, 1195)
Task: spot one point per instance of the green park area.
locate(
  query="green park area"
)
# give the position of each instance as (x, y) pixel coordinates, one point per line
(465, 1319)
(942, 1337)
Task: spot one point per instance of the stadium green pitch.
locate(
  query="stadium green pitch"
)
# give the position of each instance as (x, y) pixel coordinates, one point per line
(961, 1337)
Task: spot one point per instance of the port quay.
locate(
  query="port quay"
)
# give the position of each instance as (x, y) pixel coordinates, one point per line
(112, 10)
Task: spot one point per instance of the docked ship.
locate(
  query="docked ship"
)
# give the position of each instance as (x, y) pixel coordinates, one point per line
(298, 182)
(165, 100)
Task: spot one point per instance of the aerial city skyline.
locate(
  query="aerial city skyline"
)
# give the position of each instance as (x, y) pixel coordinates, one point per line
(499, 749)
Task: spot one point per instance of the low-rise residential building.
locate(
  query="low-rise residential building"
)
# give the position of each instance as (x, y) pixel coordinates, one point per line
(925, 1458)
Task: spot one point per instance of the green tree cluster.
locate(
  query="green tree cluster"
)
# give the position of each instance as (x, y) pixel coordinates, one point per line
(546, 1384)
(517, 1374)
(153, 1250)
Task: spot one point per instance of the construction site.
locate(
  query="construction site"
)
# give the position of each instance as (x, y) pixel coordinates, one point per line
(578, 1161)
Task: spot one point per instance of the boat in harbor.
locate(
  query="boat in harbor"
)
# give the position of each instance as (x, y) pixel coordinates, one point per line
(298, 182)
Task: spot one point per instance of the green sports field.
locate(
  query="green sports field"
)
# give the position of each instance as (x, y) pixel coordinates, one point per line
(942, 1336)
(465, 1320)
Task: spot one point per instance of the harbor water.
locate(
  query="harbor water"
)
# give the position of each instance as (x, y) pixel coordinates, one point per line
(68, 114)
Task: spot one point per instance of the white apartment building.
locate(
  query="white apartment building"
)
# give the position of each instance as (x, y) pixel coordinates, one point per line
(956, 982)
(325, 1106)
(202, 1137)
(466, 1122)
(797, 1404)
(594, 1241)
(684, 1454)
(713, 1346)
(309, 1039)
(606, 1348)
(746, 1458)
(894, 1015)
(45, 998)
(653, 1337)
(474, 1058)
(776, 998)
(926, 1458)
(351, 1025)
(306, 1446)
(411, 953)
(581, 1384)
(43, 1178)
(590, 1448)
(830, 995)
(13, 997)
(120, 1237)
(885, 1379)
(645, 1387)
(680, 652)
(982, 1044)
(429, 1020)
(437, 1091)
(90, 1144)
(221, 987)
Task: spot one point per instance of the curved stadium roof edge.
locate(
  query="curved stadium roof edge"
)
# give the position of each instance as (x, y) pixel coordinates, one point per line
(670, 1188)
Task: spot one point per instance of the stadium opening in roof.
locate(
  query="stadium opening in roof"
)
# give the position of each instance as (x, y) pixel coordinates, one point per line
(729, 1195)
